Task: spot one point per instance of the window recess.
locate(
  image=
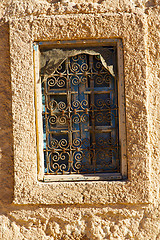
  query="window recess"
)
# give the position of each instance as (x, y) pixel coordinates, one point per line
(80, 112)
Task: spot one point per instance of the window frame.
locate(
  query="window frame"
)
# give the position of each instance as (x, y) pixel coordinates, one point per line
(121, 105)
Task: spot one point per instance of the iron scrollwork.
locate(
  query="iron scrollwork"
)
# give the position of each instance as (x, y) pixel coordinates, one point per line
(80, 117)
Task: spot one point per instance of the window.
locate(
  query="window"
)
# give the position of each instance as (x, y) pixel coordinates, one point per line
(80, 114)
(28, 153)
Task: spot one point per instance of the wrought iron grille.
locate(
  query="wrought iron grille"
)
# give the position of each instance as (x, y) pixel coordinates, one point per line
(80, 117)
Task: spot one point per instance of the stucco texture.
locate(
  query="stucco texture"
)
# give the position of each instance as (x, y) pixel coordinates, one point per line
(97, 210)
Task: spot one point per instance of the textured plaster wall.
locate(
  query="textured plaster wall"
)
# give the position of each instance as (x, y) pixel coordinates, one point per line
(83, 219)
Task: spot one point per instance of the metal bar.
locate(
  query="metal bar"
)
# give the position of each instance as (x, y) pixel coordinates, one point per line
(70, 162)
(92, 112)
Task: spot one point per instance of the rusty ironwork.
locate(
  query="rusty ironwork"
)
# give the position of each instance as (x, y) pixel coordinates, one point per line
(80, 117)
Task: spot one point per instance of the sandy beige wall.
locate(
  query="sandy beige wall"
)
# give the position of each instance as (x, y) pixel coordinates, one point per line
(81, 221)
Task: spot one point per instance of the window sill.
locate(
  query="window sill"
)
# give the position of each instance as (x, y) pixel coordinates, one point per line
(81, 177)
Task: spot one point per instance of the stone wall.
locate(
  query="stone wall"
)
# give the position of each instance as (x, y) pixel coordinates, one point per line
(116, 210)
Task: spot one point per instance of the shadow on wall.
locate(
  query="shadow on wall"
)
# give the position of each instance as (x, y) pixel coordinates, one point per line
(6, 129)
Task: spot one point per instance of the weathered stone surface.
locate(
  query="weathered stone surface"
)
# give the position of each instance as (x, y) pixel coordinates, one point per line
(100, 210)
(75, 222)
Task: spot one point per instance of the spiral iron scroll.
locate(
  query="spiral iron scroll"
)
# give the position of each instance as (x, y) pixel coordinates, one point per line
(71, 117)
